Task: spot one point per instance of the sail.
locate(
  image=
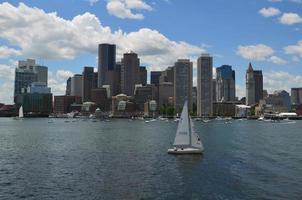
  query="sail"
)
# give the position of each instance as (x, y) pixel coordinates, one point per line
(182, 137)
(21, 112)
(195, 139)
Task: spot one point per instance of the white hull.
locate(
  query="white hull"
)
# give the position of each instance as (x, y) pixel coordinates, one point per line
(185, 151)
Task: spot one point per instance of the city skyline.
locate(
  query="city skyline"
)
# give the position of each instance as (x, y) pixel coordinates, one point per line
(266, 49)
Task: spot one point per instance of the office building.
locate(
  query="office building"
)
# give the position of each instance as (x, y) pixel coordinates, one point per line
(77, 86)
(167, 75)
(129, 73)
(166, 93)
(62, 104)
(183, 83)
(296, 96)
(143, 75)
(254, 86)
(27, 73)
(225, 84)
(204, 85)
(38, 87)
(143, 94)
(107, 73)
(89, 83)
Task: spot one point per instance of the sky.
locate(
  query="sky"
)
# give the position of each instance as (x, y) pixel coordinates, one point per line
(64, 35)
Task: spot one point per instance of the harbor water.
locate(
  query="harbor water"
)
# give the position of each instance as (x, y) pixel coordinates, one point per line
(127, 159)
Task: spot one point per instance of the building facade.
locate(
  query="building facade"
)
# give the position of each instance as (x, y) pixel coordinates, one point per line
(225, 84)
(296, 96)
(254, 86)
(130, 73)
(204, 86)
(89, 83)
(77, 85)
(183, 83)
(107, 73)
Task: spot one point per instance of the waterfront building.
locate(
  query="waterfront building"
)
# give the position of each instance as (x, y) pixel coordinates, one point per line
(77, 85)
(89, 83)
(166, 93)
(214, 90)
(143, 75)
(204, 86)
(122, 106)
(183, 83)
(100, 97)
(279, 101)
(242, 111)
(225, 83)
(62, 104)
(224, 109)
(107, 73)
(254, 86)
(143, 94)
(35, 104)
(130, 73)
(27, 73)
(296, 96)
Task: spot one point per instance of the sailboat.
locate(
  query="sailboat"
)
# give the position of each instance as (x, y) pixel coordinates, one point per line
(186, 140)
(21, 112)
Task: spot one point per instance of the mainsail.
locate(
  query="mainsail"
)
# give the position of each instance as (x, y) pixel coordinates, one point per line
(21, 112)
(182, 137)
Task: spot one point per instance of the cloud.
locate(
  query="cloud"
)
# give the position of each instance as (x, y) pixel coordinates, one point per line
(62, 74)
(124, 8)
(294, 49)
(6, 52)
(269, 12)
(273, 80)
(277, 60)
(48, 36)
(259, 52)
(7, 72)
(290, 18)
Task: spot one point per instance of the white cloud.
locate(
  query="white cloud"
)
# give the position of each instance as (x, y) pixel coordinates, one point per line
(240, 91)
(124, 8)
(269, 12)
(279, 80)
(294, 49)
(259, 52)
(277, 60)
(7, 72)
(6, 52)
(62, 74)
(48, 36)
(290, 18)
(7, 92)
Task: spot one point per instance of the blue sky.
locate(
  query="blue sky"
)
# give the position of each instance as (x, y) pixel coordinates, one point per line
(235, 32)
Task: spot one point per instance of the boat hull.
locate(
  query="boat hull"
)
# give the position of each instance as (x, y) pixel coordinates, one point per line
(185, 151)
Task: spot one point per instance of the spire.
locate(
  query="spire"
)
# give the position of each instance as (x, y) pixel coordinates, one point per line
(250, 69)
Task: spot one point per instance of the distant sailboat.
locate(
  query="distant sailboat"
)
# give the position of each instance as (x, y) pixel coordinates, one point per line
(21, 112)
(186, 140)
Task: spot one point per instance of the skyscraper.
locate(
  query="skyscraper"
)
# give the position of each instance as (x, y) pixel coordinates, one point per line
(68, 87)
(27, 73)
(254, 86)
(225, 83)
(77, 85)
(130, 75)
(143, 75)
(107, 73)
(88, 83)
(204, 85)
(183, 83)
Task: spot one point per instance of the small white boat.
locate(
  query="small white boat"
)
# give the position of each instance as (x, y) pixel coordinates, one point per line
(186, 140)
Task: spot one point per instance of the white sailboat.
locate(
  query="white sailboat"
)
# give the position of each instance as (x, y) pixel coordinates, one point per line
(186, 140)
(21, 115)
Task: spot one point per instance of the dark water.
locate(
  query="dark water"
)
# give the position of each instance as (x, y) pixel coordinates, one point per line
(128, 160)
